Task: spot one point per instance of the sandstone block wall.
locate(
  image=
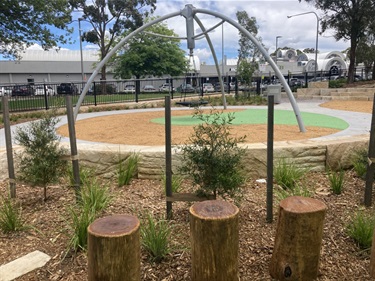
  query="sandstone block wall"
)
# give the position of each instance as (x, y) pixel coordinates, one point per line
(315, 155)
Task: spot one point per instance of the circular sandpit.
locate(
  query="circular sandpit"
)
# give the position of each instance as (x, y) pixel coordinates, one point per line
(147, 127)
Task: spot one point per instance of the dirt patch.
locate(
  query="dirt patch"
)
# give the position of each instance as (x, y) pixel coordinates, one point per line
(340, 259)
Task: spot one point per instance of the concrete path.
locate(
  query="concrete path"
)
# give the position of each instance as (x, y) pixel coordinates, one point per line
(359, 123)
(23, 265)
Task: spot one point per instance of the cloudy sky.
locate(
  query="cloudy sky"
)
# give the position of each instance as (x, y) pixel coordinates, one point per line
(297, 32)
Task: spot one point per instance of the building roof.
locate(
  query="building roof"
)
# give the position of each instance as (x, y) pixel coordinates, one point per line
(59, 55)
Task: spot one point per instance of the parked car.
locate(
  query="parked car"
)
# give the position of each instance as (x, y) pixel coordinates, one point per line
(295, 82)
(129, 89)
(149, 89)
(217, 87)
(166, 87)
(40, 90)
(5, 91)
(186, 88)
(23, 90)
(67, 89)
(208, 88)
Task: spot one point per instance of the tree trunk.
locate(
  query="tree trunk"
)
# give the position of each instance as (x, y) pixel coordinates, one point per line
(353, 48)
(214, 241)
(114, 249)
(298, 239)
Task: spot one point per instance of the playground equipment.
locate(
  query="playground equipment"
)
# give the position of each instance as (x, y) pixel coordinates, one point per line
(190, 14)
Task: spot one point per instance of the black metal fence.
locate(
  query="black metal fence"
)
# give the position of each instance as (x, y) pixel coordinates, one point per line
(39, 96)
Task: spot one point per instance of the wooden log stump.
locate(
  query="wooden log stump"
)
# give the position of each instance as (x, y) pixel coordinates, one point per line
(372, 259)
(114, 249)
(298, 239)
(214, 241)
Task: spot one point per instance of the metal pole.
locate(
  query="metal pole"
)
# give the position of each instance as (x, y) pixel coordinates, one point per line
(73, 147)
(371, 161)
(8, 143)
(80, 47)
(168, 155)
(270, 126)
(277, 38)
(316, 40)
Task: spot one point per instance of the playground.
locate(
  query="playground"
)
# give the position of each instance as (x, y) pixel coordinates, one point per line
(147, 128)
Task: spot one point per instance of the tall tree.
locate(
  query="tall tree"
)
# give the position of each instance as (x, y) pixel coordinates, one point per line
(366, 51)
(147, 54)
(23, 23)
(248, 53)
(109, 19)
(349, 19)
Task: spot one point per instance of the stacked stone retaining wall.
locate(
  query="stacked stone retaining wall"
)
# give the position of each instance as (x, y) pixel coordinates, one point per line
(316, 155)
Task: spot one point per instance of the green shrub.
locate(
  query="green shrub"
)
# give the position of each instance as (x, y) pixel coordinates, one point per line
(359, 162)
(41, 160)
(339, 83)
(287, 173)
(10, 216)
(360, 228)
(126, 171)
(155, 238)
(336, 180)
(212, 157)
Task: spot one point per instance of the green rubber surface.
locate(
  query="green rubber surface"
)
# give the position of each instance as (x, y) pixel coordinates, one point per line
(259, 116)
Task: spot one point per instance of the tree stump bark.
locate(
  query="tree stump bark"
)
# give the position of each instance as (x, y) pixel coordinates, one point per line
(214, 241)
(298, 239)
(114, 249)
(372, 259)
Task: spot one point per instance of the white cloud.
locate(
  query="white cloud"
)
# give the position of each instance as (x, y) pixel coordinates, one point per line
(298, 32)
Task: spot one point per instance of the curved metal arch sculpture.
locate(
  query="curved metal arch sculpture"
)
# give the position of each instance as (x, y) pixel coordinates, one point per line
(189, 13)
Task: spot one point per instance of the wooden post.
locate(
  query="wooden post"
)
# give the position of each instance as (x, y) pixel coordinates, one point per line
(214, 241)
(114, 249)
(298, 239)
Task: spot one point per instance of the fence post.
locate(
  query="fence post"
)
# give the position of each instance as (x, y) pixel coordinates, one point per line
(214, 241)
(45, 96)
(298, 239)
(114, 251)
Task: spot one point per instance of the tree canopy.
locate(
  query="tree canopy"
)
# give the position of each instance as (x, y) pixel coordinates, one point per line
(349, 19)
(248, 52)
(23, 23)
(110, 18)
(147, 54)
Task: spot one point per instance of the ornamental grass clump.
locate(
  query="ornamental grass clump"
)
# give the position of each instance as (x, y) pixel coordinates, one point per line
(10, 216)
(336, 180)
(287, 173)
(212, 158)
(361, 229)
(126, 170)
(94, 198)
(155, 236)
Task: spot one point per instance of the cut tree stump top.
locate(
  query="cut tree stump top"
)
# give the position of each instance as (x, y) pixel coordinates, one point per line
(213, 209)
(115, 225)
(299, 204)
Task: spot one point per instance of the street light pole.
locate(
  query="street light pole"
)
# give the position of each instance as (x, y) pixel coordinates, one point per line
(80, 47)
(316, 40)
(277, 38)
